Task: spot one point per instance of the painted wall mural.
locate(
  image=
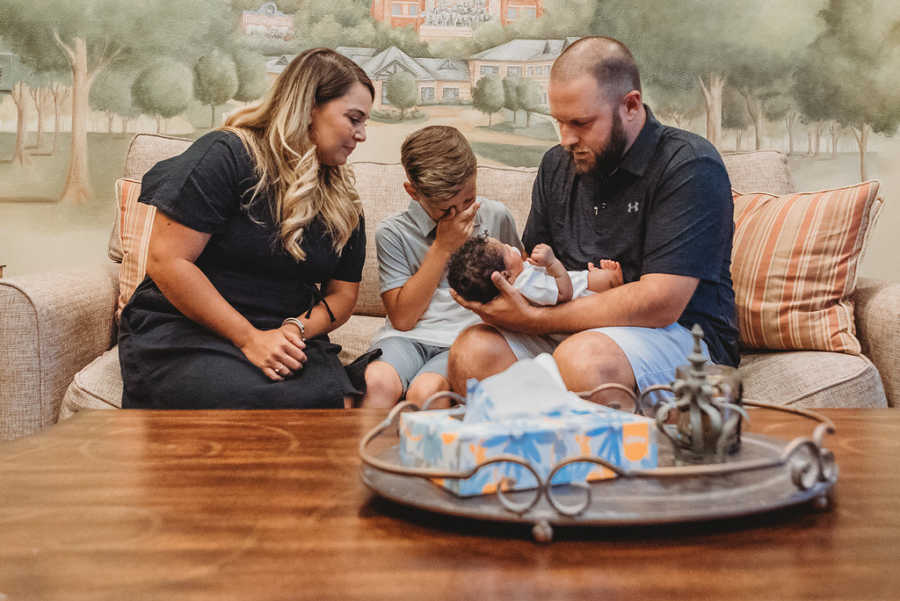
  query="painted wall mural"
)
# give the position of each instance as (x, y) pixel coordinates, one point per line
(815, 79)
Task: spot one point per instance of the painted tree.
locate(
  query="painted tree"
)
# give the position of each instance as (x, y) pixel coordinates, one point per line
(781, 107)
(488, 35)
(752, 83)
(849, 72)
(675, 98)
(215, 81)
(686, 36)
(348, 23)
(708, 40)
(529, 96)
(251, 74)
(41, 99)
(488, 96)
(404, 38)
(364, 34)
(402, 91)
(19, 75)
(564, 18)
(346, 13)
(735, 115)
(111, 93)
(511, 95)
(163, 90)
(60, 91)
(811, 92)
(762, 73)
(325, 32)
(88, 35)
(835, 129)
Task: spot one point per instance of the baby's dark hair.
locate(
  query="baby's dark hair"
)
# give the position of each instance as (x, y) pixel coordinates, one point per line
(470, 268)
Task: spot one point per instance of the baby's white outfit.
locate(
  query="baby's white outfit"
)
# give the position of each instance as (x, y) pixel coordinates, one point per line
(540, 288)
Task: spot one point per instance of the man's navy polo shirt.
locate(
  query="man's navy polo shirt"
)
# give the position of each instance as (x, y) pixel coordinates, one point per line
(667, 208)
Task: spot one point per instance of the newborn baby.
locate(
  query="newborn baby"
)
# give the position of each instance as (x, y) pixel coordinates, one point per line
(541, 277)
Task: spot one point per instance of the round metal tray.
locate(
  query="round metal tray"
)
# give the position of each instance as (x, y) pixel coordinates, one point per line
(765, 474)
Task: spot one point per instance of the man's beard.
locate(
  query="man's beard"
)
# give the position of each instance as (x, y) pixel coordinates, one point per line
(607, 159)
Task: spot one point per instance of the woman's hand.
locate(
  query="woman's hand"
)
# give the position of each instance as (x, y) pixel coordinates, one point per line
(278, 353)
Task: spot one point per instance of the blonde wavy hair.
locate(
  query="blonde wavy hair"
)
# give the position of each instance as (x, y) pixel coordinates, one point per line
(275, 132)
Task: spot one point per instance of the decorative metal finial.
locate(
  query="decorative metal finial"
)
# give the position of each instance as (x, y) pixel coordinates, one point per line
(697, 358)
(707, 398)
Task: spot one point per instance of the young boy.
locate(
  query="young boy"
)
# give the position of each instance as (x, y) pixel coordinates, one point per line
(413, 249)
(541, 278)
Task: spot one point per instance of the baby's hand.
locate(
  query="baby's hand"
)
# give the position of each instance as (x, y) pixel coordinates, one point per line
(542, 255)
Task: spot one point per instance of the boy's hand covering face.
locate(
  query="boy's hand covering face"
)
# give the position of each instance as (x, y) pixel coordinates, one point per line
(455, 227)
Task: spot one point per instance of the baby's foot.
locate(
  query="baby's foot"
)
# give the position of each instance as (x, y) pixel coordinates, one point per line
(614, 269)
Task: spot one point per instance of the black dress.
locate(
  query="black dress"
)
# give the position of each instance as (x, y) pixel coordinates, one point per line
(170, 361)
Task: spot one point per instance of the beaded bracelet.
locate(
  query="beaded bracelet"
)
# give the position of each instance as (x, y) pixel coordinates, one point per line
(297, 323)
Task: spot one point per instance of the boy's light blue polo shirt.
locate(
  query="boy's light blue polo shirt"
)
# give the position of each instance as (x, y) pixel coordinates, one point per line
(402, 240)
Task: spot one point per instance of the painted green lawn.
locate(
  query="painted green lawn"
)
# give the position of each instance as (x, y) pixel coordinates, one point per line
(510, 154)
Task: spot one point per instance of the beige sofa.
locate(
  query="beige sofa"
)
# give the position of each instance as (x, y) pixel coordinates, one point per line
(58, 332)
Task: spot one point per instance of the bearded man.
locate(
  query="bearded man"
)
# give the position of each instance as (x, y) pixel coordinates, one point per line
(619, 186)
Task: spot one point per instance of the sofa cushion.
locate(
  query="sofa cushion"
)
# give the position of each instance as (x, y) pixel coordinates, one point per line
(355, 336)
(759, 171)
(810, 379)
(136, 224)
(794, 265)
(796, 379)
(97, 386)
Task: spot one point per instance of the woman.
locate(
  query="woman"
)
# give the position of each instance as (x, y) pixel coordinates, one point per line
(256, 253)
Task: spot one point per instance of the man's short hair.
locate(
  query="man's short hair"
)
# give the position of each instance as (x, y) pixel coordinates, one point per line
(470, 268)
(438, 161)
(608, 60)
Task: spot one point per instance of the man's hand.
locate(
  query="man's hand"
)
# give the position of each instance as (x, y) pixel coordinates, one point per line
(455, 228)
(509, 310)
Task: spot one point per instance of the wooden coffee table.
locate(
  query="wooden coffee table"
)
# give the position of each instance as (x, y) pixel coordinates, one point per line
(269, 505)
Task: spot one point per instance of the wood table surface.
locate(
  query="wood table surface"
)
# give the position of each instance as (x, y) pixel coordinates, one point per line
(270, 505)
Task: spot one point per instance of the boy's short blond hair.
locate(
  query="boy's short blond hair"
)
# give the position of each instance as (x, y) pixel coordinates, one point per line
(438, 161)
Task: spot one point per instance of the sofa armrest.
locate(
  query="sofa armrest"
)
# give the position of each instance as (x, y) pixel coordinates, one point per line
(878, 329)
(51, 326)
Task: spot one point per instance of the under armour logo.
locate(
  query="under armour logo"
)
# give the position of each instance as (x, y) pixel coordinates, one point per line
(633, 207)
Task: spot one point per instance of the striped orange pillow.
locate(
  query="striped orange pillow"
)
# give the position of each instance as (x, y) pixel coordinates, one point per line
(135, 224)
(794, 263)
